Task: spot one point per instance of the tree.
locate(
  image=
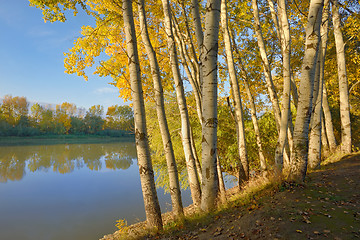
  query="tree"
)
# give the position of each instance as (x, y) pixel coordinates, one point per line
(120, 118)
(160, 109)
(343, 82)
(316, 120)
(13, 108)
(36, 110)
(286, 53)
(151, 202)
(47, 124)
(184, 115)
(240, 129)
(299, 154)
(209, 55)
(92, 120)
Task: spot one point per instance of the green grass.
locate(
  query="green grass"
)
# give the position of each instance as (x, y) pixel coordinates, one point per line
(61, 139)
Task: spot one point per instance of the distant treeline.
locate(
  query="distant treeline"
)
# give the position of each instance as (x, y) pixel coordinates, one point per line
(18, 118)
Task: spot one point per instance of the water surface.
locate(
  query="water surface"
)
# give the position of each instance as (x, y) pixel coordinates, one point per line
(76, 191)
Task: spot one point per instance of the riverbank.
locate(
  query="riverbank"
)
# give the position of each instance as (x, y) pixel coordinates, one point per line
(325, 207)
(62, 139)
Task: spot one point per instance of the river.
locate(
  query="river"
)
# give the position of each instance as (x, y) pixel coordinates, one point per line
(70, 191)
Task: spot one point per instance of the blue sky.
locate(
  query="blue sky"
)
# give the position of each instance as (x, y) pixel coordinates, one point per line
(31, 59)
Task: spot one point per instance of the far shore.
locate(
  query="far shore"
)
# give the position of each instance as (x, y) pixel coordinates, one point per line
(62, 139)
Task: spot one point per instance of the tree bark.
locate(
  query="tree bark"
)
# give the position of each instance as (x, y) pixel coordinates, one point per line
(244, 164)
(324, 138)
(180, 96)
(199, 35)
(222, 189)
(268, 76)
(343, 82)
(299, 154)
(314, 155)
(328, 122)
(254, 120)
(152, 207)
(275, 19)
(175, 193)
(316, 120)
(285, 115)
(209, 54)
(189, 63)
(266, 66)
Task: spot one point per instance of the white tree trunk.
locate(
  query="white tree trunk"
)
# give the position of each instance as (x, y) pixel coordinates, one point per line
(314, 155)
(209, 54)
(222, 191)
(324, 138)
(180, 96)
(343, 82)
(316, 120)
(244, 164)
(285, 115)
(199, 35)
(299, 154)
(274, 18)
(268, 76)
(174, 185)
(328, 122)
(254, 120)
(266, 65)
(190, 64)
(152, 207)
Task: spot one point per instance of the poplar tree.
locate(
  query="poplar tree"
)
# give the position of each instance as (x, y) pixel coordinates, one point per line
(299, 154)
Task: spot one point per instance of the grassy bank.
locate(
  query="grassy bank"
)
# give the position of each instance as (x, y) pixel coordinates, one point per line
(62, 139)
(325, 207)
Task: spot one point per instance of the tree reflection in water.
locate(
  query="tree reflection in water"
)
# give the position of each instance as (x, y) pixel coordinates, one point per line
(63, 158)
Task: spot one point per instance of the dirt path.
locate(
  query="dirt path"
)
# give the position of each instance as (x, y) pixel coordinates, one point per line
(327, 207)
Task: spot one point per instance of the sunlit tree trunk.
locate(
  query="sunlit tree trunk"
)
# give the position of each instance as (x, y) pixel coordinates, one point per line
(192, 72)
(267, 72)
(222, 191)
(316, 119)
(343, 82)
(254, 120)
(174, 185)
(180, 95)
(209, 54)
(328, 122)
(244, 167)
(266, 65)
(299, 154)
(190, 63)
(285, 115)
(256, 125)
(324, 138)
(277, 27)
(314, 155)
(274, 18)
(199, 35)
(152, 207)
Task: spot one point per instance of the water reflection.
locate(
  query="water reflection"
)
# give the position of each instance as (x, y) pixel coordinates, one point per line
(62, 158)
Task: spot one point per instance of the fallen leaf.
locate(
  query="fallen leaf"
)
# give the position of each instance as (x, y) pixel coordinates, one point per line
(326, 231)
(216, 234)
